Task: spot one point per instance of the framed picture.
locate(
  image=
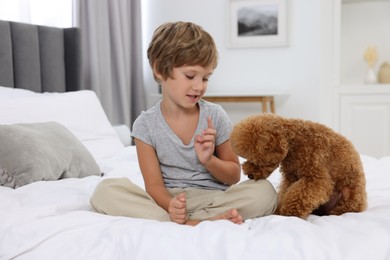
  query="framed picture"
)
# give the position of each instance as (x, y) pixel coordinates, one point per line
(257, 23)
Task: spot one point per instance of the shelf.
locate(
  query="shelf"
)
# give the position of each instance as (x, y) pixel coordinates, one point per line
(362, 24)
(373, 89)
(362, 1)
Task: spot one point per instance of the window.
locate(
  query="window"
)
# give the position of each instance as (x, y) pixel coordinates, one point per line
(58, 13)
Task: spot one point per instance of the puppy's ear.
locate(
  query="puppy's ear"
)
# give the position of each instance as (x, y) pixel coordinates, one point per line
(282, 146)
(274, 146)
(241, 137)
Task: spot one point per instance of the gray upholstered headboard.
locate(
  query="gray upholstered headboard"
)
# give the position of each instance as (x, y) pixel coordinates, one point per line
(39, 58)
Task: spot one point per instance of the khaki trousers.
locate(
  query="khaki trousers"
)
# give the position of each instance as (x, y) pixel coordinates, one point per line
(121, 197)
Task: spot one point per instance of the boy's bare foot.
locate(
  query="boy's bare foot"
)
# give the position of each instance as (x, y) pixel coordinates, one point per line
(232, 215)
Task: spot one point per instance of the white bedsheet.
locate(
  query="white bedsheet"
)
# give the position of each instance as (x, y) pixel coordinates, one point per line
(53, 220)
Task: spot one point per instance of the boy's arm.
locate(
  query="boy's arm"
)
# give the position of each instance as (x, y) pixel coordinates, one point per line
(224, 165)
(221, 161)
(154, 183)
(151, 173)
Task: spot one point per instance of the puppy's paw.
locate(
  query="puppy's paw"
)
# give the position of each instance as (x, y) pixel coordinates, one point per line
(293, 210)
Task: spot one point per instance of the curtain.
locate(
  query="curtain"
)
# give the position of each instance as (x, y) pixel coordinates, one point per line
(112, 56)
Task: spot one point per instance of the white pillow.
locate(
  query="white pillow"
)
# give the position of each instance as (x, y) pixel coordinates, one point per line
(79, 111)
(10, 93)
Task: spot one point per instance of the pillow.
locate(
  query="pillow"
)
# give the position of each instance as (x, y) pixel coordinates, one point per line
(79, 111)
(10, 93)
(42, 152)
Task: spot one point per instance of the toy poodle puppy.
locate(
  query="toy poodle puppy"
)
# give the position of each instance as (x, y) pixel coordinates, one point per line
(321, 171)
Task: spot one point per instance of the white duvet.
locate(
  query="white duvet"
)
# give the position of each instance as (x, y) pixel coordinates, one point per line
(53, 220)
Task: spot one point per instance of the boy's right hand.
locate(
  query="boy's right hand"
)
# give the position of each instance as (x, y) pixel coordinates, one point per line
(177, 209)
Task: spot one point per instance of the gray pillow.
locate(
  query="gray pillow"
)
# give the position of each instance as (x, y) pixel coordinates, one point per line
(42, 151)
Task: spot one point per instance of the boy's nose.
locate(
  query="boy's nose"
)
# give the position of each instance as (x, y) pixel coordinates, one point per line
(198, 85)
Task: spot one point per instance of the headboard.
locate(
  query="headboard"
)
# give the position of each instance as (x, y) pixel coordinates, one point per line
(39, 58)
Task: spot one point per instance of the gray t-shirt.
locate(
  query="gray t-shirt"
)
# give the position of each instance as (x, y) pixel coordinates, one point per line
(179, 163)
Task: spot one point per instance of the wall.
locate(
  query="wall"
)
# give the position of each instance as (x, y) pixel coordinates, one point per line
(302, 69)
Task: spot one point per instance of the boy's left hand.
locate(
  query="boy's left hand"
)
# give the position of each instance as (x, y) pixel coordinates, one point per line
(205, 143)
(178, 209)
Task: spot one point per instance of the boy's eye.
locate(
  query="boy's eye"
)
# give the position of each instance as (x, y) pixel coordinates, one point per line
(191, 77)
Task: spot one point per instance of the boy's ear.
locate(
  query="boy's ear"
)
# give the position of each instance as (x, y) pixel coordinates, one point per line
(157, 73)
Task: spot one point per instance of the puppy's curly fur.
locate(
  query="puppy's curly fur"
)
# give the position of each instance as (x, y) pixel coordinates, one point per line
(321, 170)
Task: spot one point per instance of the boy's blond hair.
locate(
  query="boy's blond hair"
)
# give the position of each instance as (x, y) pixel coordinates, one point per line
(181, 43)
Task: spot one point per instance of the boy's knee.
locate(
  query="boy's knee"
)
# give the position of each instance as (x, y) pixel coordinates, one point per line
(264, 198)
(102, 195)
(268, 195)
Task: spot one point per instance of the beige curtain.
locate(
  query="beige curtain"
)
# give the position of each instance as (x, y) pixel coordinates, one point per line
(112, 55)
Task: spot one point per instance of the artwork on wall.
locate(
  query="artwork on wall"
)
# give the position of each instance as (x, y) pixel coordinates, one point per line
(258, 23)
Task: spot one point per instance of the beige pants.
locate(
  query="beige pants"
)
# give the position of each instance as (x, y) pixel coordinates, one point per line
(121, 197)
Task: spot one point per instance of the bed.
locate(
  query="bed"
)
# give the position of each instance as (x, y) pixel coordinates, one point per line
(48, 215)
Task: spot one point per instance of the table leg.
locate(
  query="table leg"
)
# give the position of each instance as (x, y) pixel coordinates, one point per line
(272, 104)
(264, 105)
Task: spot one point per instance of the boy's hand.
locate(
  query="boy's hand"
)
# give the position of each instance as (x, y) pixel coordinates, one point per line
(177, 209)
(205, 143)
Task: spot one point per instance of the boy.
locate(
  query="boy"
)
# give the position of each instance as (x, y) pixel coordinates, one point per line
(189, 168)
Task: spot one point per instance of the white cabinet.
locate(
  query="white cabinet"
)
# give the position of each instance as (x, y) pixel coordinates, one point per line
(362, 112)
(364, 118)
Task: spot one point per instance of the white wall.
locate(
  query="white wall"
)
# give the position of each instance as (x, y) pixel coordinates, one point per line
(303, 69)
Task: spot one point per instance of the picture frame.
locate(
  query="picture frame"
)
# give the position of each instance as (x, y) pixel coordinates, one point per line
(257, 23)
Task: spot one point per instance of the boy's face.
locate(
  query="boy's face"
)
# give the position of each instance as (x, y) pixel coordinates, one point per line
(187, 85)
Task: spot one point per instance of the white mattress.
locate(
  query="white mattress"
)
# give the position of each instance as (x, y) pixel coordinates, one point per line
(53, 220)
